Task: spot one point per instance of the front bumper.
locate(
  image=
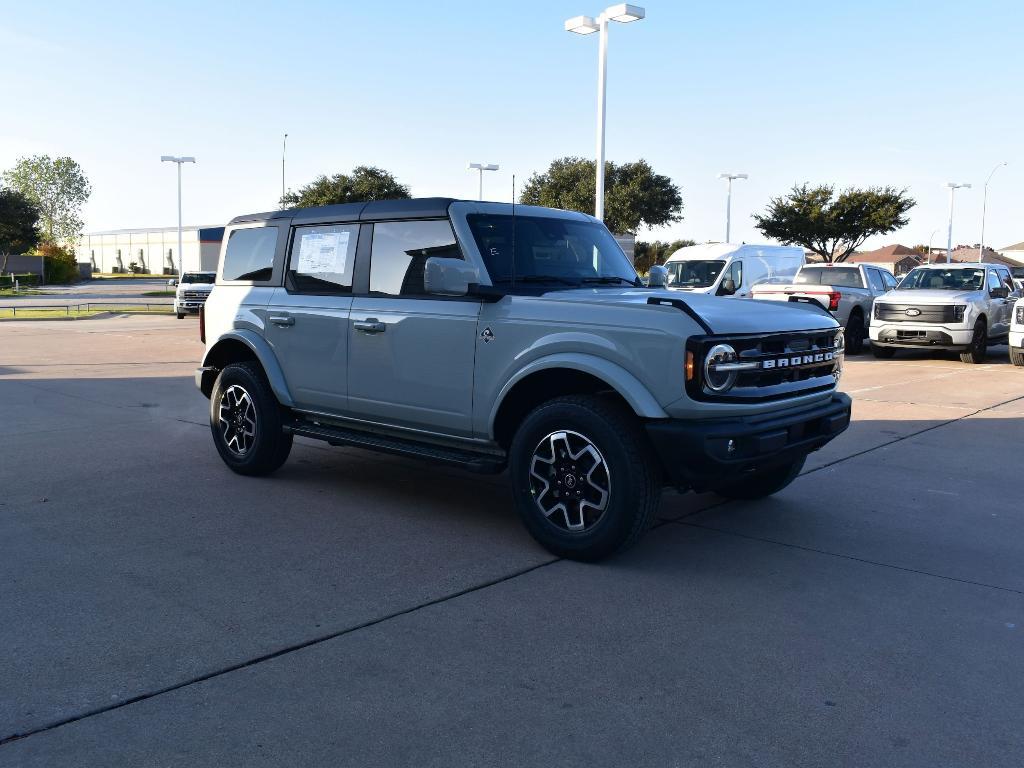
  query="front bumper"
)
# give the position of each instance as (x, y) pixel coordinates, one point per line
(917, 335)
(696, 454)
(190, 307)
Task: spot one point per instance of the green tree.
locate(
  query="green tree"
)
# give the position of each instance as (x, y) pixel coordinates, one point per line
(635, 195)
(363, 184)
(58, 188)
(646, 255)
(831, 225)
(19, 220)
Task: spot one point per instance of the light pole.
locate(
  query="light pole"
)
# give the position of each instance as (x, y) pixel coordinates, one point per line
(284, 149)
(481, 167)
(585, 25)
(984, 203)
(728, 198)
(930, 238)
(181, 254)
(953, 187)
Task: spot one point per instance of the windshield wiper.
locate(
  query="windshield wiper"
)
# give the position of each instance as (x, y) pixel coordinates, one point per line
(609, 280)
(539, 279)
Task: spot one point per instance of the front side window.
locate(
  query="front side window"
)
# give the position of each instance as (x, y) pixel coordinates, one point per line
(250, 254)
(949, 279)
(400, 251)
(549, 252)
(890, 281)
(734, 273)
(993, 282)
(694, 274)
(322, 258)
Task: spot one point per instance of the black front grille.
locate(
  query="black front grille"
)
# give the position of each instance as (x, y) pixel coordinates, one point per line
(917, 313)
(787, 365)
(195, 295)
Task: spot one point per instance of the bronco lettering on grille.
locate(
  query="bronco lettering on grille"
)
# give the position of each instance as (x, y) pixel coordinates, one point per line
(798, 361)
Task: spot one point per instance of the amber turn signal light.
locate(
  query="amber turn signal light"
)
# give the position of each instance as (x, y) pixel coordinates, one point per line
(689, 366)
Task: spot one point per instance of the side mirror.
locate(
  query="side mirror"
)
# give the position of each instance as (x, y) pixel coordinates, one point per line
(448, 277)
(657, 277)
(727, 288)
(999, 293)
(173, 281)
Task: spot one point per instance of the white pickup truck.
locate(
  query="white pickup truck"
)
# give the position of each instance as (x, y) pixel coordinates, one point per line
(847, 291)
(1017, 334)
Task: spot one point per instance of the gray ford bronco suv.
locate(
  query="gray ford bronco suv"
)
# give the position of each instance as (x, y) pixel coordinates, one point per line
(493, 337)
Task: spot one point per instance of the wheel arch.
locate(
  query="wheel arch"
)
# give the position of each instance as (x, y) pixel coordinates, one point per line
(244, 346)
(560, 375)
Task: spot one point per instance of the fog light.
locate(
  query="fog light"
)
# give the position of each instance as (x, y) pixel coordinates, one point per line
(731, 446)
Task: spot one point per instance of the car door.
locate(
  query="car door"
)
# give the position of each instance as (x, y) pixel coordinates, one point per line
(307, 324)
(999, 305)
(411, 354)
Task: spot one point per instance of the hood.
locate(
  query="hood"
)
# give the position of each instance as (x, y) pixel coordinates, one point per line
(926, 296)
(195, 286)
(721, 315)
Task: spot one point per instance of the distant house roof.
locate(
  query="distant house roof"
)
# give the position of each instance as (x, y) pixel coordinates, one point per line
(1017, 247)
(890, 253)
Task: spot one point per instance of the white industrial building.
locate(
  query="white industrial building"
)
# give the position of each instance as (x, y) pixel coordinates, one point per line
(155, 251)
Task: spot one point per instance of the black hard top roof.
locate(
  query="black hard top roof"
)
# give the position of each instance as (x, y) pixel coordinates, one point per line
(377, 210)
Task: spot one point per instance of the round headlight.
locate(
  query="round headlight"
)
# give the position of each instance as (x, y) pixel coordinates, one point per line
(716, 380)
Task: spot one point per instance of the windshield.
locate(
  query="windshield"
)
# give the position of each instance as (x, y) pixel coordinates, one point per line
(950, 279)
(693, 274)
(198, 277)
(848, 277)
(550, 252)
(1017, 272)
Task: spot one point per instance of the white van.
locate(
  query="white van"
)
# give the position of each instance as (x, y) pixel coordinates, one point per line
(727, 269)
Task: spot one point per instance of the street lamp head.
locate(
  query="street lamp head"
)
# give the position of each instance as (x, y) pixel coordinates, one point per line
(957, 185)
(733, 176)
(482, 167)
(624, 13)
(168, 159)
(581, 25)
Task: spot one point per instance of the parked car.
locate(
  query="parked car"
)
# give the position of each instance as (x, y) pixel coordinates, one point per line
(1016, 339)
(192, 292)
(724, 269)
(961, 307)
(409, 327)
(847, 291)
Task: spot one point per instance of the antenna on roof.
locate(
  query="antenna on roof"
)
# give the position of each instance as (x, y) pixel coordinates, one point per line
(513, 232)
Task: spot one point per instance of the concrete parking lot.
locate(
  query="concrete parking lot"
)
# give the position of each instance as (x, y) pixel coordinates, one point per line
(356, 609)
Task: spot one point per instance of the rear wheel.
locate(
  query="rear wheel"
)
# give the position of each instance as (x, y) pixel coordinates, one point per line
(855, 333)
(245, 419)
(763, 483)
(979, 345)
(1017, 356)
(882, 353)
(583, 479)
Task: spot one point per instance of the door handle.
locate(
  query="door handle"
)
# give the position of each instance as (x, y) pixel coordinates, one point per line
(281, 320)
(369, 325)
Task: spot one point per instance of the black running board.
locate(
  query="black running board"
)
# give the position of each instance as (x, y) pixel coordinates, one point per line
(474, 461)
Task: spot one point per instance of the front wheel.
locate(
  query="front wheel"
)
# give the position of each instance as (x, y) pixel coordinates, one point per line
(882, 353)
(245, 419)
(583, 478)
(1017, 356)
(181, 315)
(763, 483)
(855, 334)
(979, 345)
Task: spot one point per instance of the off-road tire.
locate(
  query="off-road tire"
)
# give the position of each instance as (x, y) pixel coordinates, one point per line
(270, 445)
(633, 478)
(882, 353)
(856, 332)
(760, 484)
(976, 353)
(1017, 356)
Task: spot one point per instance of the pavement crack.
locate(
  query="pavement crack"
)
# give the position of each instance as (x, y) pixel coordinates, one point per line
(864, 560)
(275, 654)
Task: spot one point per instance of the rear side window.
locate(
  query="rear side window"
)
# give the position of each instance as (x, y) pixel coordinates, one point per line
(322, 258)
(876, 279)
(250, 254)
(400, 252)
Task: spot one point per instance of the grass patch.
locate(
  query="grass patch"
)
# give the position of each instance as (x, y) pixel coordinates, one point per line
(22, 292)
(128, 276)
(159, 293)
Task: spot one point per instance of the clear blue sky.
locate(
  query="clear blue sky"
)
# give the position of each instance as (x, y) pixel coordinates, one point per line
(867, 93)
